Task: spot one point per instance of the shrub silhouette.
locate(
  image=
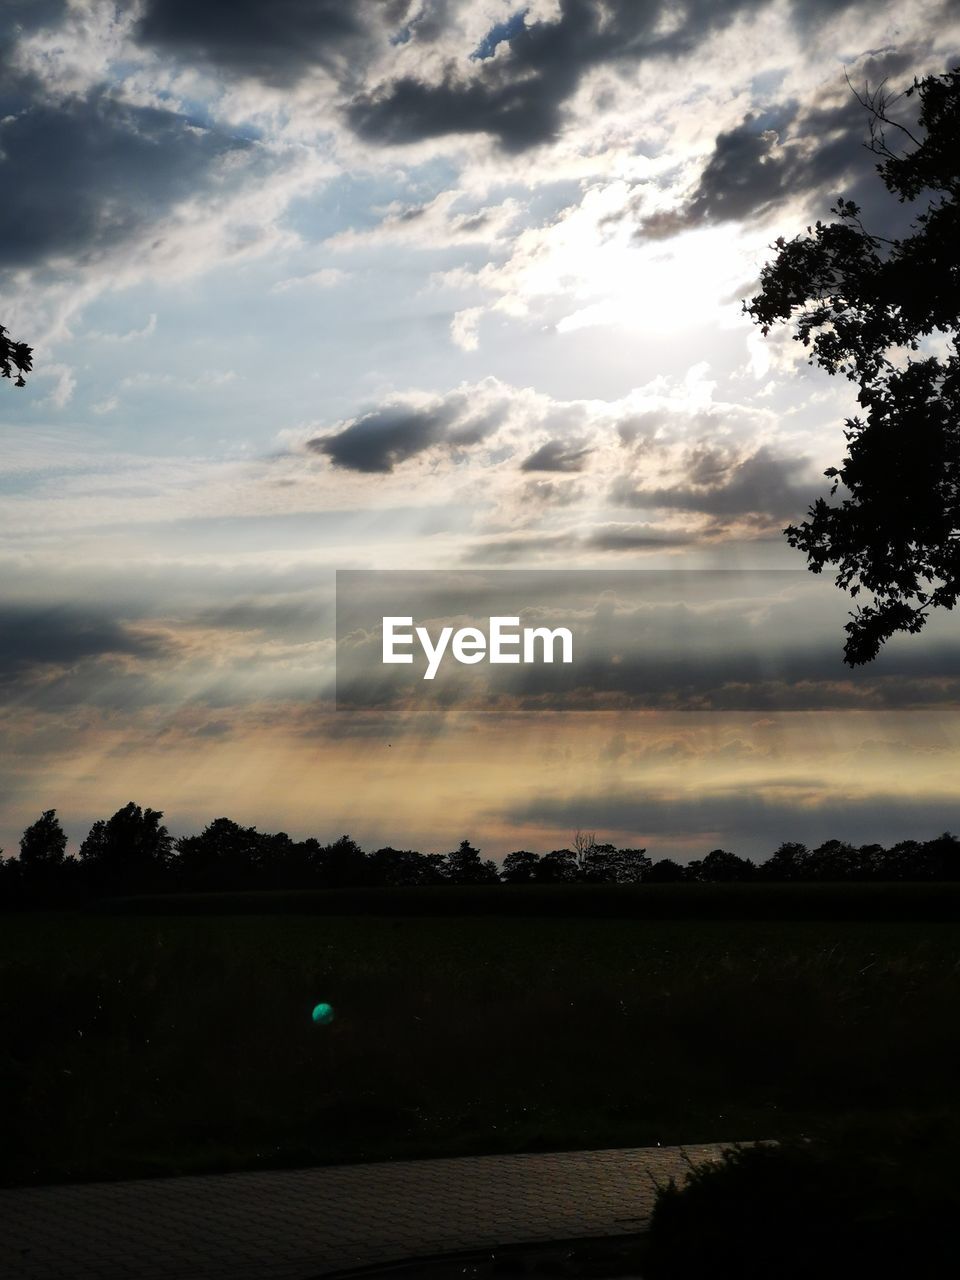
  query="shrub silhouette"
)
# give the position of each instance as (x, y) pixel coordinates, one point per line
(880, 1205)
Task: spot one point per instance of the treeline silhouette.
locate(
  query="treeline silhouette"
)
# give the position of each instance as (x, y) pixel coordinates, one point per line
(133, 853)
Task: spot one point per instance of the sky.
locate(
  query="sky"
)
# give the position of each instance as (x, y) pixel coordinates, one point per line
(439, 285)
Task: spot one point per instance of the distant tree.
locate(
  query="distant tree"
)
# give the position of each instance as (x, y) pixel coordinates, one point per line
(596, 862)
(833, 860)
(942, 857)
(788, 863)
(519, 867)
(223, 856)
(15, 358)
(870, 862)
(395, 867)
(9, 880)
(631, 866)
(465, 866)
(43, 845)
(666, 871)
(905, 861)
(434, 868)
(128, 852)
(606, 864)
(341, 864)
(863, 304)
(720, 865)
(584, 848)
(283, 863)
(559, 866)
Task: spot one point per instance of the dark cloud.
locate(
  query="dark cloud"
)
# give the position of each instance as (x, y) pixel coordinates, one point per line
(635, 537)
(720, 485)
(276, 41)
(32, 638)
(382, 439)
(816, 151)
(18, 16)
(748, 821)
(557, 455)
(289, 620)
(504, 550)
(518, 96)
(80, 176)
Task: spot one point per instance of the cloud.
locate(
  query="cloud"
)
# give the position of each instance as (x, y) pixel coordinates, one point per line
(752, 819)
(717, 482)
(433, 225)
(636, 537)
(812, 153)
(400, 430)
(81, 176)
(325, 278)
(131, 335)
(33, 638)
(382, 439)
(557, 455)
(276, 41)
(516, 92)
(28, 15)
(464, 328)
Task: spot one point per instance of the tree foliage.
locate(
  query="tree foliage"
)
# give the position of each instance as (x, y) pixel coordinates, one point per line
(43, 845)
(886, 313)
(16, 358)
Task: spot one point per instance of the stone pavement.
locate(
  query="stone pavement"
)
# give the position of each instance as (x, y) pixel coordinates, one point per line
(301, 1223)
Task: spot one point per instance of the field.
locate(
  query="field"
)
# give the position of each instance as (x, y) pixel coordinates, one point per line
(137, 1044)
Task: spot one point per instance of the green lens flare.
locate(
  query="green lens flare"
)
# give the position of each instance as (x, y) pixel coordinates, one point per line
(323, 1014)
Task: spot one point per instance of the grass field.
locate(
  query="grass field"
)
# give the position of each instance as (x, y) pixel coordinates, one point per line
(138, 1044)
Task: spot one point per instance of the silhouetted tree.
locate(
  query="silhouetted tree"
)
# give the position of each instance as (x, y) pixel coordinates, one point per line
(15, 358)
(434, 868)
(720, 865)
(519, 867)
(283, 863)
(128, 852)
(903, 861)
(833, 860)
(559, 866)
(43, 845)
(465, 866)
(630, 865)
(942, 857)
(396, 867)
(223, 856)
(341, 864)
(9, 880)
(788, 863)
(666, 871)
(857, 300)
(584, 846)
(606, 864)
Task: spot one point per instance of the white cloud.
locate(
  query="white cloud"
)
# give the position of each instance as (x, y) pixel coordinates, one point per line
(463, 328)
(131, 335)
(325, 278)
(434, 225)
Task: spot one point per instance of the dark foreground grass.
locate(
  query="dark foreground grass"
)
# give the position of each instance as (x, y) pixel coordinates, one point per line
(137, 1045)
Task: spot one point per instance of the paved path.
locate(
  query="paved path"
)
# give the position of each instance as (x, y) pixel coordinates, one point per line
(302, 1223)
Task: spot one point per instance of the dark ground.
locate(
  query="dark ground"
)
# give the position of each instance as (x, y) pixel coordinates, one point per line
(136, 1043)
